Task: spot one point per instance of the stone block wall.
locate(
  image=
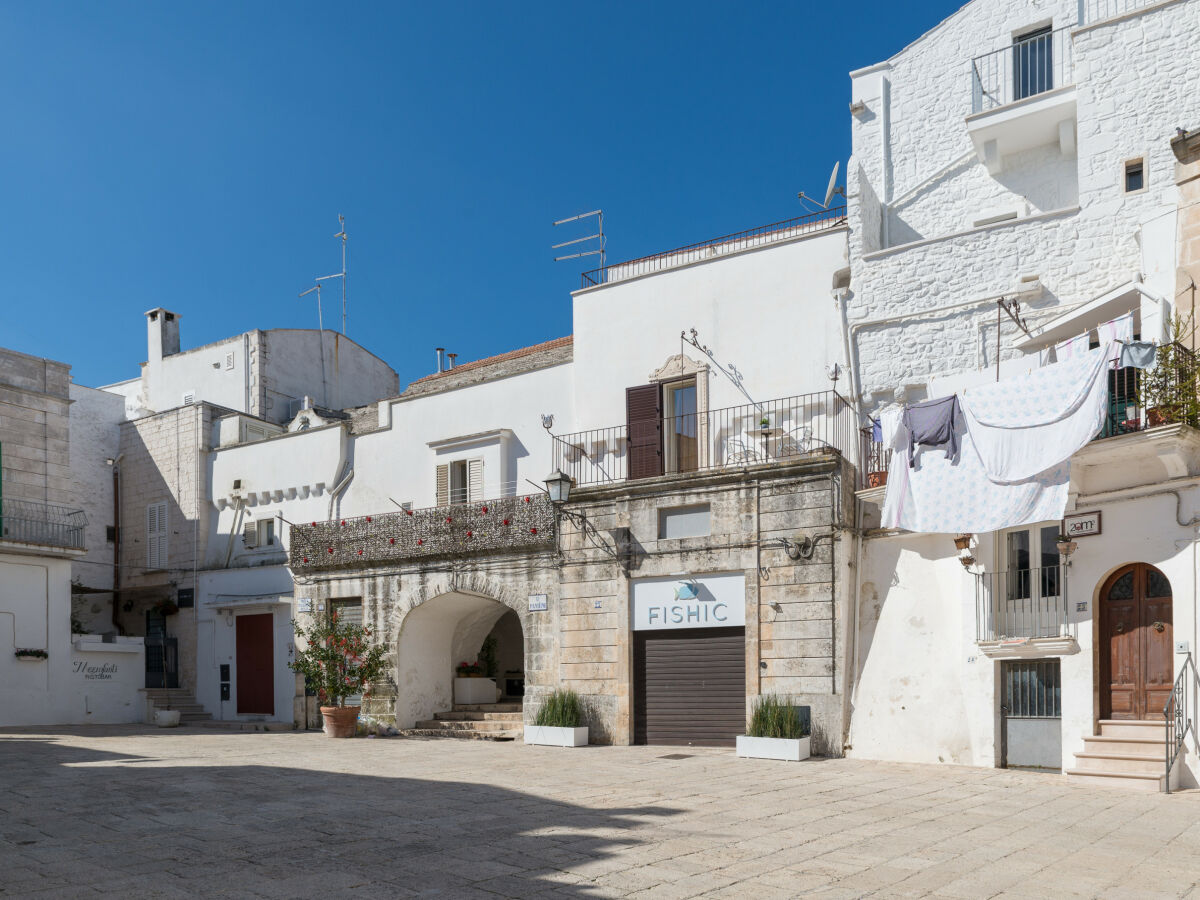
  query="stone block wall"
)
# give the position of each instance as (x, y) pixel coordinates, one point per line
(35, 429)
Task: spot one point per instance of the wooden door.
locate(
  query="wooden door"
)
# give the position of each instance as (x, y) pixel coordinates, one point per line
(256, 665)
(1136, 649)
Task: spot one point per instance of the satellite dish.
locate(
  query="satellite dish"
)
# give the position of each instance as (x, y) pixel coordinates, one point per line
(829, 191)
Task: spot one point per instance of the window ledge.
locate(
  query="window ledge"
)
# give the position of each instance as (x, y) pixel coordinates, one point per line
(1022, 648)
(1008, 223)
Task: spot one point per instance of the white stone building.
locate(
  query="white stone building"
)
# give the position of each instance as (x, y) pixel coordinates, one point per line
(1024, 151)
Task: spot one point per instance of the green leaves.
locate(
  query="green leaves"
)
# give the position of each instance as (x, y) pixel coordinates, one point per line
(339, 660)
(772, 716)
(561, 709)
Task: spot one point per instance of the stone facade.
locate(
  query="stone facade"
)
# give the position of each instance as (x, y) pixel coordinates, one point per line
(35, 428)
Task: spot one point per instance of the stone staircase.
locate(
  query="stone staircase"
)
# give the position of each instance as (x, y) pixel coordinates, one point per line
(473, 721)
(1127, 753)
(190, 712)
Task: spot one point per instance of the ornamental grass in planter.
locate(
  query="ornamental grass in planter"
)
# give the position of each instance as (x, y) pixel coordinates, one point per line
(558, 721)
(338, 662)
(776, 731)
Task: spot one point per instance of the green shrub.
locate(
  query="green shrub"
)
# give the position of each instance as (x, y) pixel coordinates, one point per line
(562, 709)
(772, 716)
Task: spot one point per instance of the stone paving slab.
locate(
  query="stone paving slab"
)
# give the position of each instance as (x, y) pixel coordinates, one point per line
(133, 812)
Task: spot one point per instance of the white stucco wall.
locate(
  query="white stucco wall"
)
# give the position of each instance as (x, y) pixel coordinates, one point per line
(913, 153)
(95, 685)
(768, 312)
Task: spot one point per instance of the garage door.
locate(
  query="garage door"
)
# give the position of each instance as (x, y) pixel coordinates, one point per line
(690, 686)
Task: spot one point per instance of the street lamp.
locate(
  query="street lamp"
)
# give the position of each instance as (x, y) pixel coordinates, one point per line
(558, 486)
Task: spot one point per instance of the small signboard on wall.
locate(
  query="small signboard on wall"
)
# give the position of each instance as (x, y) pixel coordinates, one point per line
(304, 604)
(537, 603)
(1081, 525)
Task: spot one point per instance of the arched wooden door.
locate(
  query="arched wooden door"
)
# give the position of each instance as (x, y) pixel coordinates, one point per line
(1136, 651)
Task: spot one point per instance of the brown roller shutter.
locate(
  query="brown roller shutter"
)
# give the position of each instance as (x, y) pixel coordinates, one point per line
(643, 418)
(690, 686)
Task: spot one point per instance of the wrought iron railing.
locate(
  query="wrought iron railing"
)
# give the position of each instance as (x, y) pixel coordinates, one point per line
(875, 460)
(730, 243)
(1020, 604)
(1166, 395)
(1092, 11)
(522, 522)
(1177, 713)
(31, 522)
(1025, 68)
(733, 437)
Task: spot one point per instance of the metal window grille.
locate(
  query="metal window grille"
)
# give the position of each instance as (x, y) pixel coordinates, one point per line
(1033, 689)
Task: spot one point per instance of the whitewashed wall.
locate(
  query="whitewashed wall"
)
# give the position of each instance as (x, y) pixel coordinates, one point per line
(768, 312)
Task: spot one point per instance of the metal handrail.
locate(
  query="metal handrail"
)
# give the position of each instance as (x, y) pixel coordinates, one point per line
(1175, 715)
(1025, 68)
(33, 522)
(753, 237)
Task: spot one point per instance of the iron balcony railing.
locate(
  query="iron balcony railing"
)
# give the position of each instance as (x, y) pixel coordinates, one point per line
(875, 460)
(1020, 604)
(1093, 11)
(1030, 66)
(733, 437)
(1165, 395)
(521, 522)
(31, 522)
(730, 243)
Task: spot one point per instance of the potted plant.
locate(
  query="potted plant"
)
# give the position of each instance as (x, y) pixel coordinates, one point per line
(776, 731)
(876, 479)
(962, 542)
(469, 670)
(31, 654)
(1065, 545)
(1168, 392)
(166, 608)
(340, 662)
(559, 721)
(764, 423)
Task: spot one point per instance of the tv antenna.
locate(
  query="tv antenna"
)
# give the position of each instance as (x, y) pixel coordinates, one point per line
(831, 190)
(342, 274)
(321, 329)
(598, 236)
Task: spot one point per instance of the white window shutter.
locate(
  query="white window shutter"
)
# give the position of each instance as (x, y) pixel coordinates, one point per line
(156, 536)
(443, 486)
(474, 480)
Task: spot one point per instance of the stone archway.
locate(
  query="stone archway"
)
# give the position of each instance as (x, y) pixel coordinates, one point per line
(436, 634)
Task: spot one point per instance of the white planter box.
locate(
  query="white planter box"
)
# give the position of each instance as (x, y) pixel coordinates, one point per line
(556, 737)
(166, 718)
(773, 748)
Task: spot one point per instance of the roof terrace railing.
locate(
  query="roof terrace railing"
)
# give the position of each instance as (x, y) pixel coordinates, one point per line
(730, 243)
(31, 522)
(1025, 68)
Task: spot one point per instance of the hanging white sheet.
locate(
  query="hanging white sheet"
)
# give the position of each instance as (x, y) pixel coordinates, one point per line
(1023, 426)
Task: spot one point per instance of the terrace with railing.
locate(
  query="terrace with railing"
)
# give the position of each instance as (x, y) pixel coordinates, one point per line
(735, 437)
(1021, 604)
(774, 233)
(1029, 66)
(43, 524)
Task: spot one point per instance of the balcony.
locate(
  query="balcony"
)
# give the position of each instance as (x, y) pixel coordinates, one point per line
(41, 524)
(1022, 612)
(774, 233)
(735, 437)
(1022, 97)
(521, 523)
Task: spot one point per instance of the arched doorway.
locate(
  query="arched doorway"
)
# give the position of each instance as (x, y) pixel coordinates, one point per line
(1136, 650)
(443, 631)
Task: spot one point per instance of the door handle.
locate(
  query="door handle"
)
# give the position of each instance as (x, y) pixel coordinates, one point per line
(1159, 627)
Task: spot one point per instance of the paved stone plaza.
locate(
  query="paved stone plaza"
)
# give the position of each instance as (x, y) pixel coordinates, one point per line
(133, 812)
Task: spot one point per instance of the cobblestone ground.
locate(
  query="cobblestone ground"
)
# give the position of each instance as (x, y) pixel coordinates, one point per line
(139, 813)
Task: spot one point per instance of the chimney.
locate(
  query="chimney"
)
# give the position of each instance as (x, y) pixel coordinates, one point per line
(162, 334)
(450, 358)
(441, 356)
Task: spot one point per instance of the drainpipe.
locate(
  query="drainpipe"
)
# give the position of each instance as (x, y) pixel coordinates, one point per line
(116, 588)
(344, 466)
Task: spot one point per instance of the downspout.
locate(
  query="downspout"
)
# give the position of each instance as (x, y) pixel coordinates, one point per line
(116, 588)
(344, 466)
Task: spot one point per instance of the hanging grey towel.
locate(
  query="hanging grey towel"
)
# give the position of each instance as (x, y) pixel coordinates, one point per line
(1140, 354)
(933, 423)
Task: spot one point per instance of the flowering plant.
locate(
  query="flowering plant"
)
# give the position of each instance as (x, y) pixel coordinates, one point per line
(32, 653)
(469, 668)
(339, 660)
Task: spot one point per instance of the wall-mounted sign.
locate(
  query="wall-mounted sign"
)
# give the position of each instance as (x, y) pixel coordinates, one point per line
(694, 601)
(1081, 524)
(538, 603)
(185, 598)
(95, 672)
(304, 604)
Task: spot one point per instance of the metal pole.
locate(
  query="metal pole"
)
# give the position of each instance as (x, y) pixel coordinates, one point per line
(999, 307)
(342, 223)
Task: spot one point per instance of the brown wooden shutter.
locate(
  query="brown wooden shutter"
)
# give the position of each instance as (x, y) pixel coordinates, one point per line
(643, 418)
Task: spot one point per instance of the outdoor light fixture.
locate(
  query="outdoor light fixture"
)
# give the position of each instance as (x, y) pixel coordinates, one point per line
(558, 486)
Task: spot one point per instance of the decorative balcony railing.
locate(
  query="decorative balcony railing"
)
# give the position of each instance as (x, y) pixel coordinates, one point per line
(1093, 11)
(1165, 395)
(1033, 65)
(30, 522)
(1021, 603)
(523, 522)
(730, 243)
(731, 438)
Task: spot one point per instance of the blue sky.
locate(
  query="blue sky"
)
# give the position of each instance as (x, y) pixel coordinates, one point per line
(195, 156)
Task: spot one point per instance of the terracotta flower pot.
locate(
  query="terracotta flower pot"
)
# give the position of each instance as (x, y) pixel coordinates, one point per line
(1155, 417)
(340, 721)
(876, 479)
(962, 542)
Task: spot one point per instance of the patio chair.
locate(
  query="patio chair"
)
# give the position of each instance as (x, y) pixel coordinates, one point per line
(795, 441)
(739, 451)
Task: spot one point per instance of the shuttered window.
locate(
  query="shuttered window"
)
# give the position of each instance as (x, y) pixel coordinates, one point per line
(474, 480)
(443, 486)
(460, 481)
(156, 536)
(643, 417)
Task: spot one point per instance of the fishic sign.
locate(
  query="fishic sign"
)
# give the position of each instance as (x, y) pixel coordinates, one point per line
(690, 601)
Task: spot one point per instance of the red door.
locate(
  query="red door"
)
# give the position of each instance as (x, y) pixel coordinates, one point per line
(1136, 653)
(256, 664)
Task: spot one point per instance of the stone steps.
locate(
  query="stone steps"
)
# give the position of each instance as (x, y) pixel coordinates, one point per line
(460, 735)
(472, 721)
(1127, 753)
(190, 712)
(487, 707)
(478, 716)
(468, 725)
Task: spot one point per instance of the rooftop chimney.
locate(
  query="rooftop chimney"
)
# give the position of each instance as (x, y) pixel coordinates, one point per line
(450, 358)
(441, 353)
(162, 334)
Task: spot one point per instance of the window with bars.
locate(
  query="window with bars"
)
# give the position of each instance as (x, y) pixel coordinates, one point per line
(1032, 689)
